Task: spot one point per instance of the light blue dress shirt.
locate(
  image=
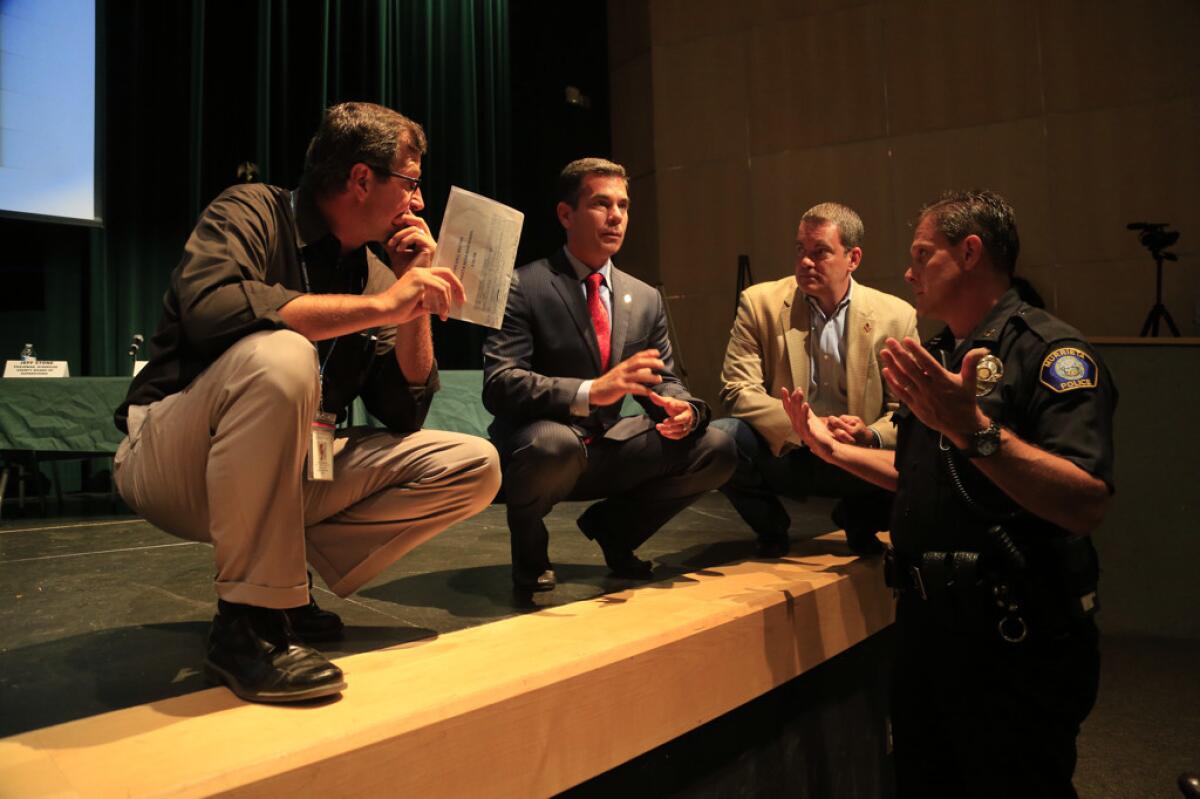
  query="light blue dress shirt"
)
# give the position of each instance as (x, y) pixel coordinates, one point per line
(827, 357)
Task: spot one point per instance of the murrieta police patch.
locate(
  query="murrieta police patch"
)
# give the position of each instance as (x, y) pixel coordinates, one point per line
(1068, 368)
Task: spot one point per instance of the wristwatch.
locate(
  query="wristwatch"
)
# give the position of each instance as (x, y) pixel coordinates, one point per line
(984, 442)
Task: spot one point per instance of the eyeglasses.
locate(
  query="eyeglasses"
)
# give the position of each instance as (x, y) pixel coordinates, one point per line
(414, 184)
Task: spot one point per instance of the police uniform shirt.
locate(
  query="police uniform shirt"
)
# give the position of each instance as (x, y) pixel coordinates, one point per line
(1055, 393)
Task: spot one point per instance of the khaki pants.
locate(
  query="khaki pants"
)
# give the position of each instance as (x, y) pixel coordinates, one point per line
(223, 462)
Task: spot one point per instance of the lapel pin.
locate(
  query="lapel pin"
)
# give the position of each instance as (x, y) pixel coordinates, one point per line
(866, 327)
(627, 299)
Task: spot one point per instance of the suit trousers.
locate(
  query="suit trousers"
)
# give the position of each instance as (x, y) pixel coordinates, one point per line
(642, 482)
(223, 462)
(761, 478)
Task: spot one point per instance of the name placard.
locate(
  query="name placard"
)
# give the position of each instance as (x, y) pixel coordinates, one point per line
(36, 369)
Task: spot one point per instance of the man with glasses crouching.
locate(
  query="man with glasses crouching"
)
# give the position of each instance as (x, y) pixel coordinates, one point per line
(287, 306)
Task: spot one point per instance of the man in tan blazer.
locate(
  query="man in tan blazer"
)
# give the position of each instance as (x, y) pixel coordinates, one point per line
(821, 331)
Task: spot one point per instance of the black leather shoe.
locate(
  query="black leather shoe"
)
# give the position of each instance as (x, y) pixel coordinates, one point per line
(623, 563)
(545, 581)
(312, 623)
(631, 568)
(619, 557)
(775, 546)
(860, 525)
(258, 656)
(864, 543)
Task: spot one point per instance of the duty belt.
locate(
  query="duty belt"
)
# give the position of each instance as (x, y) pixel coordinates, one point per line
(955, 580)
(932, 574)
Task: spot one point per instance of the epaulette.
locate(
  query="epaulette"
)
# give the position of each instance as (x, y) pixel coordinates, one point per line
(1046, 326)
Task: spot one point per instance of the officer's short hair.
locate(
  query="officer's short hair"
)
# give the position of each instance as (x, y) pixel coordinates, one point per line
(958, 214)
(352, 133)
(570, 180)
(849, 225)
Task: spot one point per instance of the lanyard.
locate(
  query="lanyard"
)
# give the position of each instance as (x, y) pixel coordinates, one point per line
(308, 290)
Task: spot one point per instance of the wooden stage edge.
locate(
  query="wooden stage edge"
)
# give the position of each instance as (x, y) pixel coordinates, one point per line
(527, 706)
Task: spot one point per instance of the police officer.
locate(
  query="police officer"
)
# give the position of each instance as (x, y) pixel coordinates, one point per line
(1003, 467)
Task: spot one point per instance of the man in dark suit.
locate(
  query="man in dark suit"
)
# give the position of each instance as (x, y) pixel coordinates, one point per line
(578, 336)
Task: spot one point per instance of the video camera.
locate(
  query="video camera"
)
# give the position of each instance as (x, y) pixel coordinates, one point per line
(1155, 237)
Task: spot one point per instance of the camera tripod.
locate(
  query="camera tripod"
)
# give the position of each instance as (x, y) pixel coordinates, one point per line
(1155, 237)
(1159, 312)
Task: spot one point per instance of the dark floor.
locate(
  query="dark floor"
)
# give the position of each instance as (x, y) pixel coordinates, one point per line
(105, 612)
(1145, 729)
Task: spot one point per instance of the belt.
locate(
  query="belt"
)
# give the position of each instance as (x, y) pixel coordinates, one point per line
(954, 583)
(933, 575)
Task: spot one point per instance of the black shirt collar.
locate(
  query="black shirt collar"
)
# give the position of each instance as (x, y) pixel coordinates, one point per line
(313, 236)
(323, 250)
(987, 333)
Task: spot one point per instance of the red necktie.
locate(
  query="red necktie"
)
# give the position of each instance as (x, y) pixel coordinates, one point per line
(599, 318)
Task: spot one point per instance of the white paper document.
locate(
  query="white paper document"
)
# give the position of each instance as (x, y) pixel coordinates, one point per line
(478, 240)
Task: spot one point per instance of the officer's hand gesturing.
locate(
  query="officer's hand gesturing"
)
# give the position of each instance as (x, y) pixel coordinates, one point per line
(942, 400)
(634, 375)
(811, 428)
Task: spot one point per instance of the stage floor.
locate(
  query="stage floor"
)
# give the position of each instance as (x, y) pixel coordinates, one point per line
(109, 612)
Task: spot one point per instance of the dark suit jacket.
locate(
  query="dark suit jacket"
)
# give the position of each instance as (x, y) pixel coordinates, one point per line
(533, 365)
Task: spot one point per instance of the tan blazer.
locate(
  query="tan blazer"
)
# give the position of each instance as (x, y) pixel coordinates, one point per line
(768, 350)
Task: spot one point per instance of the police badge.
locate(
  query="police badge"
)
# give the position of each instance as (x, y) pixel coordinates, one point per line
(988, 373)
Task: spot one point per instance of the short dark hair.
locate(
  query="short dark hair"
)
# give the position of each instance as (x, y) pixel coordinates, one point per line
(352, 133)
(848, 223)
(570, 180)
(958, 214)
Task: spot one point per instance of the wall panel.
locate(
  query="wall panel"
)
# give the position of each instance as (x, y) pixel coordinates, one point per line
(817, 80)
(700, 103)
(705, 226)
(1113, 166)
(952, 64)
(1099, 55)
(633, 115)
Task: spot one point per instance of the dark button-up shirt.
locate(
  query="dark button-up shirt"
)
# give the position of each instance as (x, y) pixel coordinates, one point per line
(255, 249)
(1056, 393)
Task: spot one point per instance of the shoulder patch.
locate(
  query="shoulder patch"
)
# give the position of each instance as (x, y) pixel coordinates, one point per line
(1068, 368)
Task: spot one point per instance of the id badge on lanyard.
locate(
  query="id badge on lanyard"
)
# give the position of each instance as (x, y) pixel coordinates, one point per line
(321, 433)
(320, 447)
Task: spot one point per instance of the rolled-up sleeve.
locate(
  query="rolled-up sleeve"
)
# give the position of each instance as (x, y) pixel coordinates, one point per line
(389, 397)
(222, 283)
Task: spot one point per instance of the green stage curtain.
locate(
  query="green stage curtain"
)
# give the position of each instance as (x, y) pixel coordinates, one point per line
(191, 90)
